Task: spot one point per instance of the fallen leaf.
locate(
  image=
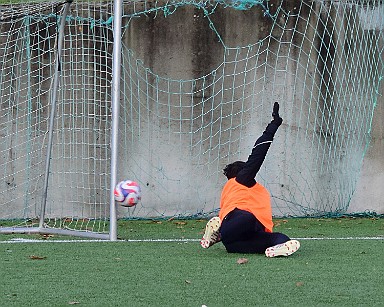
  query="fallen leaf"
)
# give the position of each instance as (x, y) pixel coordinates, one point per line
(34, 257)
(181, 223)
(47, 236)
(242, 260)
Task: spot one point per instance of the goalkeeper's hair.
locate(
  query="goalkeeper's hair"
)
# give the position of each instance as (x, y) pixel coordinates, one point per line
(231, 170)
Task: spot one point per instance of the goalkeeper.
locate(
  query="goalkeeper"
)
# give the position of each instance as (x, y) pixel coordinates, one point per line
(244, 224)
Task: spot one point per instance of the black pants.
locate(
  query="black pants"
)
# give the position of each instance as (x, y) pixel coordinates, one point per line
(241, 232)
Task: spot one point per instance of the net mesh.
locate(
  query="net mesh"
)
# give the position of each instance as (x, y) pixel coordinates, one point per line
(198, 81)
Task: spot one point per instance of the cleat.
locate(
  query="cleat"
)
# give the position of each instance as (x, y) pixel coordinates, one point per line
(211, 234)
(284, 249)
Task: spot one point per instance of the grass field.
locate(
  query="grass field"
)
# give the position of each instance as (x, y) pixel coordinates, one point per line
(340, 263)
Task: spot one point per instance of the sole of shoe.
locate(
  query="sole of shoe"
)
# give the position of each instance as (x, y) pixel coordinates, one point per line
(285, 249)
(211, 233)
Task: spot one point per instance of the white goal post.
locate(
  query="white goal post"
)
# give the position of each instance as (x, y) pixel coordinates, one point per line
(42, 227)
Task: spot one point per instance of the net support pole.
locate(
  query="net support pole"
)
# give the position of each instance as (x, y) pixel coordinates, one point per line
(116, 74)
(54, 91)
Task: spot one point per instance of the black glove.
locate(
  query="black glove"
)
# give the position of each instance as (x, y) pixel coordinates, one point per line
(277, 120)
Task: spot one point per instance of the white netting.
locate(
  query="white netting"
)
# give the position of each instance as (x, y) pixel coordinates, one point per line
(198, 83)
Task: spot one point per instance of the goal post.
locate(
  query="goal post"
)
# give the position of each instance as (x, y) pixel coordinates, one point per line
(53, 94)
(166, 93)
(116, 77)
(50, 31)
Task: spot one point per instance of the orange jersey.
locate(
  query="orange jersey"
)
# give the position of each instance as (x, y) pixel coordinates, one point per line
(255, 200)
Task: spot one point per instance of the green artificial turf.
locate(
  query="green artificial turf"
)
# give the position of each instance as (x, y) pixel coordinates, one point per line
(176, 273)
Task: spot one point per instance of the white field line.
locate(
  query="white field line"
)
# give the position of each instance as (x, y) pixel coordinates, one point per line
(23, 240)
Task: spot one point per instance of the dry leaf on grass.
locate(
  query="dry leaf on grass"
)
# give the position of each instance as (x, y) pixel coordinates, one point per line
(242, 260)
(47, 236)
(278, 223)
(34, 257)
(180, 223)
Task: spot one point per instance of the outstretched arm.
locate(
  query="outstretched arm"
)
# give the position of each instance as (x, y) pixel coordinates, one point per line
(247, 175)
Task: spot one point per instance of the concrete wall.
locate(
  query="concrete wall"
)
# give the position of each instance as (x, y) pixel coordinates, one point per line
(183, 46)
(369, 193)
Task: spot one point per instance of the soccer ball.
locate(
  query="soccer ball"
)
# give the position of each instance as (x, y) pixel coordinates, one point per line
(127, 193)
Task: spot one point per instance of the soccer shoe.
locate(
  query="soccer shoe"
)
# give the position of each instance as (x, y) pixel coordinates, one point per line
(284, 249)
(211, 234)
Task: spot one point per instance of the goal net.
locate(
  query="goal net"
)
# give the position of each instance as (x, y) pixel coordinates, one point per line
(197, 84)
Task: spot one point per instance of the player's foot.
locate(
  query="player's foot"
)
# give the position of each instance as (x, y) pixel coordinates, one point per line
(211, 234)
(284, 249)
